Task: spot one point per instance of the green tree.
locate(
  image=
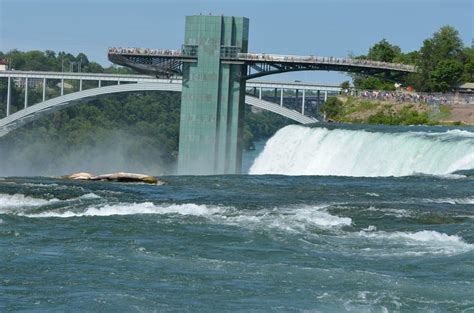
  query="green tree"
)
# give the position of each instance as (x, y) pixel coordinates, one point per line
(383, 51)
(345, 85)
(469, 65)
(332, 107)
(446, 75)
(444, 45)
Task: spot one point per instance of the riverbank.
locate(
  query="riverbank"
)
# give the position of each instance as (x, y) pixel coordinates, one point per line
(349, 109)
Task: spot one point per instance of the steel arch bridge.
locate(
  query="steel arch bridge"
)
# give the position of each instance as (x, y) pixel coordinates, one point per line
(36, 111)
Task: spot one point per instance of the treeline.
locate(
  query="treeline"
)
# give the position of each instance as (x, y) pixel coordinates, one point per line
(51, 61)
(121, 132)
(443, 63)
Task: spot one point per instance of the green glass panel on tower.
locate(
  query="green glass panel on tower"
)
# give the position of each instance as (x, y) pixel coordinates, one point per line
(213, 96)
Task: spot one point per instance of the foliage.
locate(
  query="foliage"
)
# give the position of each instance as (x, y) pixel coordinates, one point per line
(468, 75)
(442, 61)
(383, 51)
(345, 85)
(61, 62)
(446, 75)
(406, 116)
(332, 107)
(445, 46)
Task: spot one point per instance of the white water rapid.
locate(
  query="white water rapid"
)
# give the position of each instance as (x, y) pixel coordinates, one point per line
(299, 150)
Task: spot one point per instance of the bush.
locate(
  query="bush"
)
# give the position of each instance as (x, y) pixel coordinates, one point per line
(333, 107)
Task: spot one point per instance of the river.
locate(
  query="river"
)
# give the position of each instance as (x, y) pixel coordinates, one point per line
(332, 219)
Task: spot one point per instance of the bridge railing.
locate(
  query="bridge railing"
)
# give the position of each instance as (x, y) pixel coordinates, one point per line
(325, 60)
(145, 52)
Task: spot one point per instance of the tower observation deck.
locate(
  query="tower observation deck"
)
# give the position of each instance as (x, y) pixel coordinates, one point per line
(214, 64)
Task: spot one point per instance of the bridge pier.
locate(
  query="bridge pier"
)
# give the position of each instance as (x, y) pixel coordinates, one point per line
(44, 89)
(26, 92)
(62, 86)
(213, 95)
(281, 97)
(302, 103)
(80, 84)
(9, 96)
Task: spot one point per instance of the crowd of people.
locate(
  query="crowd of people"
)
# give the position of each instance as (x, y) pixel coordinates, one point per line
(145, 51)
(271, 57)
(411, 97)
(327, 60)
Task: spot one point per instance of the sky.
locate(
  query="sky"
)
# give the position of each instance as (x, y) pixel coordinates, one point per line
(298, 27)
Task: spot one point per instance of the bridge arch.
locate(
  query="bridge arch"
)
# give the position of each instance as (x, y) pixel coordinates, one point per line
(35, 111)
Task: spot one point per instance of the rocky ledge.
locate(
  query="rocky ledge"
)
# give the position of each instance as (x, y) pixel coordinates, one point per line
(115, 177)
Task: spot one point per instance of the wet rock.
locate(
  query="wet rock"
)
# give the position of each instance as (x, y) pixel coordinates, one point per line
(116, 177)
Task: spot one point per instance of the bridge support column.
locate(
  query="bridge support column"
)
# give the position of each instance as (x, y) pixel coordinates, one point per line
(325, 95)
(260, 93)
(26, 92)
(80, 84)
(9, 95)
(44, 89)
(62, 86)
(302, 103)
(212, 98)
(318, 100)
(281, 97)
(296, 98)
(100, 83)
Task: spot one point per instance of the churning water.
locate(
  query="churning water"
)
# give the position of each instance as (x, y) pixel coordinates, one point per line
(256, 242)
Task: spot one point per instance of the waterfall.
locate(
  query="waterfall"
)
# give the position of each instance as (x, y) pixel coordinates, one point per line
(300, 150)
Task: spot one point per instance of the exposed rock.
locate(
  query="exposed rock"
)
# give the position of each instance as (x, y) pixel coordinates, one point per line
(117, 177)
(78, 176)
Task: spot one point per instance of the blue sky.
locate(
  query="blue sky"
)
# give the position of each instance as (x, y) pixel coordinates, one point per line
(329, 28)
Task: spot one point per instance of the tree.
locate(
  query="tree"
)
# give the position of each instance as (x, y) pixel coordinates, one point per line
(383, 51)
(469, 65)
(444, 45)
(446, 75)
(345, 85)
(332, 107)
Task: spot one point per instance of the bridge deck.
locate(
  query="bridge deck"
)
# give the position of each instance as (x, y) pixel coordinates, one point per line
(132, 78)
(138, 55)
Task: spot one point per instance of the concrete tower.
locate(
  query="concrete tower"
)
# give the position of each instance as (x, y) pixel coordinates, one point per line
(213, 96)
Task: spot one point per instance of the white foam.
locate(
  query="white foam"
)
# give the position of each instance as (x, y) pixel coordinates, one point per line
(20, 200)
(39, 185)
(299, 150)
(134, 208)
(469, 200)
(89, 196)
(417, 243)
(289, 219)
(400, 213)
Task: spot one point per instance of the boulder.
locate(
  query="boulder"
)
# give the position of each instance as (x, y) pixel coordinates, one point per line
(78, 176)
(127, 178)
(116, 177)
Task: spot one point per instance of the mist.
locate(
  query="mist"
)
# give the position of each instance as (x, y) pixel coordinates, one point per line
(116, 151)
